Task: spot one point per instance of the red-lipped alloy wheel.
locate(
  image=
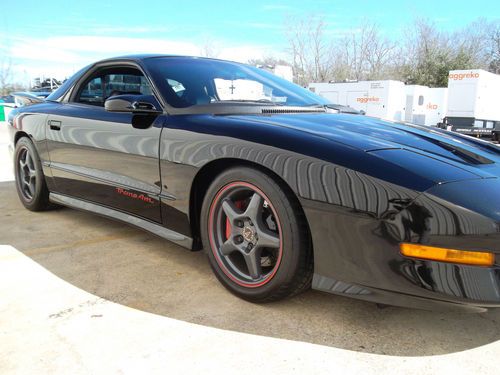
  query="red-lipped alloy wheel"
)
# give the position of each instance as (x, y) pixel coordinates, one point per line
(245, 234)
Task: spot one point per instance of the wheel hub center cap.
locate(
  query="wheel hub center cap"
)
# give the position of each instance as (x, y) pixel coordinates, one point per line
(248, 234)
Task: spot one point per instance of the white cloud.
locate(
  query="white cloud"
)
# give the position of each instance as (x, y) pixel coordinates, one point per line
(71, 49)
(62, 56)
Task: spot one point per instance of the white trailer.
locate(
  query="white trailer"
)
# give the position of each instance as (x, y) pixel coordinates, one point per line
(473, 106)
(415, 104)
(425, 105)
(437, 105)
(382, 99)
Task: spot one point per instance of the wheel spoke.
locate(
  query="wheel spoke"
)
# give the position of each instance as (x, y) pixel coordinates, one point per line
(30, 189)
(32, 186)
(254, 207)
(253, 264)
(25, 186)
(268, 239)
(230, 210)
(22, 174)
(29, 161)
(22, 159)
(228, 247)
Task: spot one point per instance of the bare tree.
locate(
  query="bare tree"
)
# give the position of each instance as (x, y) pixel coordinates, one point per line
(427, 54)
(424, 55)
(210, 48)
(5, 75)
(379, 52)
(472, 43)
(364, 53)
(319, 55)
(297, 50)
(309, 49)
(268, 61)
(494, 47)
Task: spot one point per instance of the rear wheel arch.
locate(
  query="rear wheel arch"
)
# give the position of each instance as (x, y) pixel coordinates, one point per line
(20, 134)
(208, 173)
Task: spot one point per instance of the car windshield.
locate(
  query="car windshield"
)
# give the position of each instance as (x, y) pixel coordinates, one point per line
(186, 82)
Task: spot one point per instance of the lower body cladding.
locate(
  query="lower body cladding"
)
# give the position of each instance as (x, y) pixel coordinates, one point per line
(149, 226)
(120, 193)
(358, 255)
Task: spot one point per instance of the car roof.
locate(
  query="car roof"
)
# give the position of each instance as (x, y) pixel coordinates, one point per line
(141, 57)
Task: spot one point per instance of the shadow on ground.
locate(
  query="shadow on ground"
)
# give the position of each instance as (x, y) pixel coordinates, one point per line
(139, 270)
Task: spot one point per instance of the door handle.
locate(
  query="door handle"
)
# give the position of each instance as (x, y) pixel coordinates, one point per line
(55, 125)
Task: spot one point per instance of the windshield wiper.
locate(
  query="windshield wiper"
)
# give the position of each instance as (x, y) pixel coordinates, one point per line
(256, 101)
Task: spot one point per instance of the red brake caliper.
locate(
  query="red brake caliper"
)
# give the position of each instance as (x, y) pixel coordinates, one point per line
(239, 205)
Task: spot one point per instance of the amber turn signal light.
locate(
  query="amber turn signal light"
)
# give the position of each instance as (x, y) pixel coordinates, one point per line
(447, 255)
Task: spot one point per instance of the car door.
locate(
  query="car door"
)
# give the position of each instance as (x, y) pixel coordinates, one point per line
(101, 156)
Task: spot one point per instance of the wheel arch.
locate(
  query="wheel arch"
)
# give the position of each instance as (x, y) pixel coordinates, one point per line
(208, 173)
(20, 134)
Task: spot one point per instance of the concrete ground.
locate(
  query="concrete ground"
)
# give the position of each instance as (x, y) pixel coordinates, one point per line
(83, 294)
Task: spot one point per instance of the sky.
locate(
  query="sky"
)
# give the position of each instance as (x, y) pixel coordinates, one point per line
(59, 37)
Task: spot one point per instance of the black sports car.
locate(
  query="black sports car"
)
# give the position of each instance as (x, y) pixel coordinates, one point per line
(280, 193)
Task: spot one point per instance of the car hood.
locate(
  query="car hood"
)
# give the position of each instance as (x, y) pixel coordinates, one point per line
(378, 136)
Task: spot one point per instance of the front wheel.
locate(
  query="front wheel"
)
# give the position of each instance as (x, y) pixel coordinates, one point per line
(255, 236)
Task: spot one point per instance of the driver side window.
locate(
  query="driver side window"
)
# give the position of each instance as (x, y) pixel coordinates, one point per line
(120, 84)
(92, 92)
(110, 82)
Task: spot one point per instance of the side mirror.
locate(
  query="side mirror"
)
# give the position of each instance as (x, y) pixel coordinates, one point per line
(138, 104)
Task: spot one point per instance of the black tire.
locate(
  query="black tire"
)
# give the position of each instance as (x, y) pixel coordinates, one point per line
(244, 212)
(30, 180)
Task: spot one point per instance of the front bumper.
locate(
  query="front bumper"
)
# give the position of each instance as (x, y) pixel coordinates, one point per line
(439, 299)
(356, 253)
